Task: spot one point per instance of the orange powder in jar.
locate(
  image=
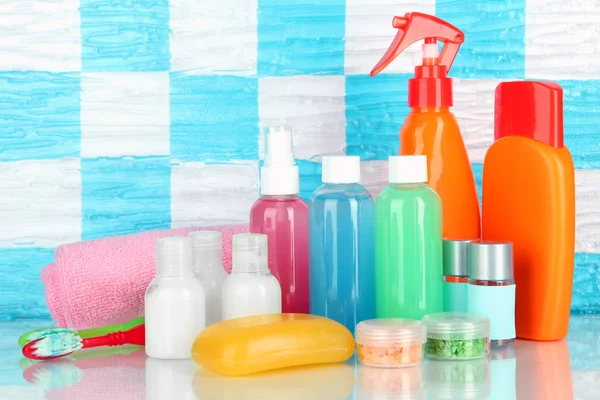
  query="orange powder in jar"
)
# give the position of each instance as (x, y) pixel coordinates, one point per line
(392, 342)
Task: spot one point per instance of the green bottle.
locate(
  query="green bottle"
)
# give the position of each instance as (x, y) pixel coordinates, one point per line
(408, 243)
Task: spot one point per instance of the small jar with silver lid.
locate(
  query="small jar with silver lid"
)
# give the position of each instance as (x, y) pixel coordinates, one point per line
(492, 288)
(456, 275)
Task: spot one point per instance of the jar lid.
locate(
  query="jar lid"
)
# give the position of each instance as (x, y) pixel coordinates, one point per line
(391, 329)
(457, 325)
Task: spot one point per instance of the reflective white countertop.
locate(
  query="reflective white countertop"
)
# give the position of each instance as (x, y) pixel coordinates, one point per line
(532, 370)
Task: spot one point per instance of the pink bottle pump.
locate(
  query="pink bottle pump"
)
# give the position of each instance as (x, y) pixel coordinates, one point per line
(283, 216)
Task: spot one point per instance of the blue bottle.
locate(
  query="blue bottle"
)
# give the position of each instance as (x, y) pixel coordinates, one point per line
(342, 245)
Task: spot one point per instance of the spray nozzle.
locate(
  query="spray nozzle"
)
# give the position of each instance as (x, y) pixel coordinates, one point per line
(279, 174)
(279, 150)
(417, 26)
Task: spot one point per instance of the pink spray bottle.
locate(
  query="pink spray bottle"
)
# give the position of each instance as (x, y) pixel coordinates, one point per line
(283, 216)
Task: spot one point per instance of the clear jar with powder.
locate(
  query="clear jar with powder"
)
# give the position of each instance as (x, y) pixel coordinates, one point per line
(390, 342)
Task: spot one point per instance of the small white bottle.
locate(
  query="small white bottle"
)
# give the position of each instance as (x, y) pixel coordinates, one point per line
(174, 302)
(208, 269)
(250, 289)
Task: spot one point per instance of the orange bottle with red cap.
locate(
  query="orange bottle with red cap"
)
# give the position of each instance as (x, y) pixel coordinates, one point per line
(431, 129)
(529, 199)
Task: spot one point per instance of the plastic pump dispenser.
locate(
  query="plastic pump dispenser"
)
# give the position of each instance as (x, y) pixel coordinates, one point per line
(174, 302)
(431, 129)
(208, 269)
(250, 289)
(408, 243)
(283, 216)
(279, 174)
(341, 214)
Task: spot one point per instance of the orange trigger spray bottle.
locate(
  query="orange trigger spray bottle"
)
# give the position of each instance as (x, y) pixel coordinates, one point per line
(431, 129)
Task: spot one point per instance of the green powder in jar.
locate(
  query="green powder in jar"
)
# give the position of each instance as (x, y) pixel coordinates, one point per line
(457, 348)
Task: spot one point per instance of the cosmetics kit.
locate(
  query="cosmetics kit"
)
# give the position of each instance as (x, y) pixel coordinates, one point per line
(421, 271)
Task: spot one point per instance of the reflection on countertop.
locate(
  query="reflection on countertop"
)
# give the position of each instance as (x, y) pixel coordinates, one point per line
(560, 370)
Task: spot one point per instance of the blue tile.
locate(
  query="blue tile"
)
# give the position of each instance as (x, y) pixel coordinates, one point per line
(586, 284)
(478, 174)
(582, 122)
(125, 35)
(22, 291)
(39, 115)
(310, 178)
(214, 118)
(125, 195)
(375, 111)
(301, 37)
(494, 31)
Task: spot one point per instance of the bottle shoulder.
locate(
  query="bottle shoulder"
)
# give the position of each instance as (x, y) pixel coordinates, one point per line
(279, 202)
(396, 194)
(513, 149)
(166, 286)
(436, 118)
(346, 192)
(250, 282)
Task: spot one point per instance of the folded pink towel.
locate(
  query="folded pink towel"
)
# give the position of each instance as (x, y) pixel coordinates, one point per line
(102, 282)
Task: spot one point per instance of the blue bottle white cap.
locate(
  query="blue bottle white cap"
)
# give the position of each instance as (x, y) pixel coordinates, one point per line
(407, 169)
(341, 169)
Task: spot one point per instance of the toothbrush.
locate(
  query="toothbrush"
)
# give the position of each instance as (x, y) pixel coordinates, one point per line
(84, 334)
(64, 343)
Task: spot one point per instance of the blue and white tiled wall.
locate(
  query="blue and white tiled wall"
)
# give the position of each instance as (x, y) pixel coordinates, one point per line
(121, 116)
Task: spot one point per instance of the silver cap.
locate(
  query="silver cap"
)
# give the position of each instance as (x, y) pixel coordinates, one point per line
(490, 261)
(456, 257)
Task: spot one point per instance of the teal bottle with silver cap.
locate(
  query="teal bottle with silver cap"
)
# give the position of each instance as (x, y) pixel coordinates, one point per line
(456, 275)
(492, 288)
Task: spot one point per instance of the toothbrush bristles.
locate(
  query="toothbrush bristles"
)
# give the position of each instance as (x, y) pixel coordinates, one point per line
(42, 333)
(57, 345)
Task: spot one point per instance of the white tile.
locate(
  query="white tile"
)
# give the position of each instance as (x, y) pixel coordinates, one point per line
(40, 35)
(587, 205)
(125, 114)
(210, 37)
(40, 204)
(474, 111)
(314, 106)
(212, 194)
(561, 39)
(369, 33)
(374, 176)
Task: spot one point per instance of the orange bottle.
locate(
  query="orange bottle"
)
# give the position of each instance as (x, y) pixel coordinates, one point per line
(431, 129)
(529, 199)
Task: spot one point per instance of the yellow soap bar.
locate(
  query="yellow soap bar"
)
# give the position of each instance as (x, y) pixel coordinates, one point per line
(263, 342)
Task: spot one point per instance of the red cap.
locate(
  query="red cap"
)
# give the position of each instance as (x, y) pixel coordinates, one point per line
(430, 87)
(529, 109)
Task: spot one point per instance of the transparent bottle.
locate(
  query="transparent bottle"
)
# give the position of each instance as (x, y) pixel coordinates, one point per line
(208, 269)
(174, 302)
(492, 288)
(341, 245)
(250, 289)
(408, 243)
(283, 216)
(456, 275)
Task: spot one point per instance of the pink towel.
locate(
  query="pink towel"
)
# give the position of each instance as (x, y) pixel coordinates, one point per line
(102, 282)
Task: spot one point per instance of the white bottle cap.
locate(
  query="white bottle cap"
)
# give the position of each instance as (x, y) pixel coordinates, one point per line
(174, 256)
(207, 249)
(250, 253)
(341, 169)
(407, 169)
(428, 50)
(279, 174)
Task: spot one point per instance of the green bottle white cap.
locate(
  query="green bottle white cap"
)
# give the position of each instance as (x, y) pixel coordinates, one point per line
(407, 169)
